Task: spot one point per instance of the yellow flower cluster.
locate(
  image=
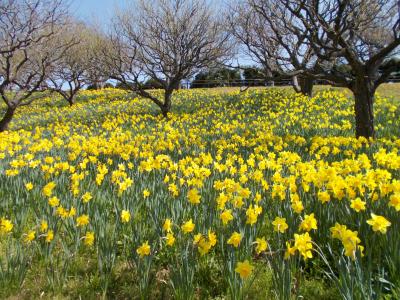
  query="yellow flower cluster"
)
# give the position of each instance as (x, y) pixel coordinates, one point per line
(5, 226)
(350, 240)
(236, 175)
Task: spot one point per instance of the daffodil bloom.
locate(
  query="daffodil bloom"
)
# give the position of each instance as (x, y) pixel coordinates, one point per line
(29, 186)
(125, 216)
(170, 239)
(338, 230)
(89, 238)
(30, 236)
(43, 226)
(167, 226)
(144, 249)
(49, 236)
(262, 245)
(222, 199)
(308, 223)
(146, 193)
(235, 239)
(324, 196)
(349, 239)
(226, 216)
(358, 205)
(72, 212)
(48, 189)
(379, 223)
(193, 196)
(297, 206)
(244, 269)
(5, 226)
(212, 238)
(252, 214)
(395, 201)
(62, 212)
(280, 225)
(290, 251)
(82, 220)
(54, 201)
(303, 243)
(173, 189)
(204, 245)
(197, 238)
(87, 197)
(188, 226)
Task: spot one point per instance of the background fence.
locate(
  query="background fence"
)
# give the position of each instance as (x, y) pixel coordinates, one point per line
(256, 82)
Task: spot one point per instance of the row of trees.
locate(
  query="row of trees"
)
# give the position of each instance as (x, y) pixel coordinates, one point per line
(167, 41)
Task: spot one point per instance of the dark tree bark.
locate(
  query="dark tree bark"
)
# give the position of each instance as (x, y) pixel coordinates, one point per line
(364, 90)
(71, 100)
(303, 84)
(69, 96)
(7, 118)
(166, 107)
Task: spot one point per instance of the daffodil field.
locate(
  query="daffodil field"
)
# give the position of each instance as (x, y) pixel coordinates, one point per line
(202, 204)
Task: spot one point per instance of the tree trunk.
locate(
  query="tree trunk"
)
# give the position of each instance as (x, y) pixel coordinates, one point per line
(7, 118)
(71, 100)
(166, 108)
(303, 84)
(364, 91)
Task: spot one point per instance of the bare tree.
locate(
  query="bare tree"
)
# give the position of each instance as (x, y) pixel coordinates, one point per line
(362, 34)
(167, 41)
(74, 70)
(270, 38)
(27, 27)
(96, 74)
